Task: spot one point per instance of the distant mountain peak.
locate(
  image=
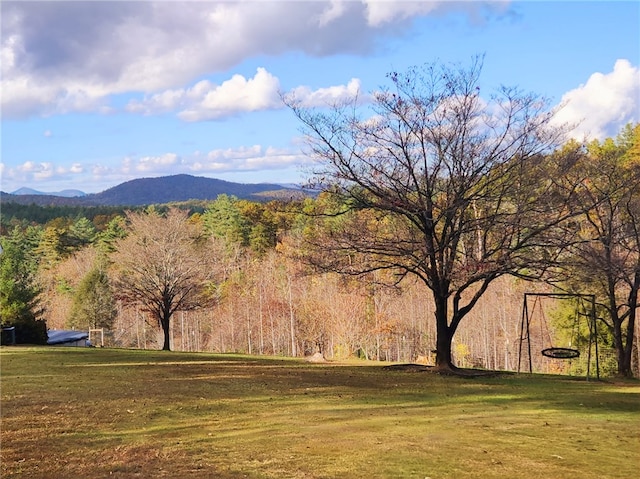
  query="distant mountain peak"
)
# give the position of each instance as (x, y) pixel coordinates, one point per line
(27, 191)
(63, 193)
(182, 187)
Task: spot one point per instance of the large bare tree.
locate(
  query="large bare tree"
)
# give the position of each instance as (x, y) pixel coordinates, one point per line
(435, 181)
(164, 265)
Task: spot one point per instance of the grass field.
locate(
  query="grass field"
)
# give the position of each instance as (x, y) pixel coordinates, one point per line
(94, 413)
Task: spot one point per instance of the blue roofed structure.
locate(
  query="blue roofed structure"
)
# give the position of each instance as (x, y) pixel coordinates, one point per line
(60, 337)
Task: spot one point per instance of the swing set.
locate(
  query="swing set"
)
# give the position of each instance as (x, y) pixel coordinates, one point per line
(533, 310)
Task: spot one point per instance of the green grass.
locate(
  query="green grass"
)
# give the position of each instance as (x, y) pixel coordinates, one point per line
(95, 413)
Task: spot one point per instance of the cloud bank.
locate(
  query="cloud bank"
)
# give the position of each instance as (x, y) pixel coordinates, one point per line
(65, 56)
(214, 162)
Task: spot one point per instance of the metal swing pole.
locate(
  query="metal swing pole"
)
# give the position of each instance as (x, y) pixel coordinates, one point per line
(595, 333)
(591, 324)
(524, 305)
(529, 336)
(593, 337)
(525, 320)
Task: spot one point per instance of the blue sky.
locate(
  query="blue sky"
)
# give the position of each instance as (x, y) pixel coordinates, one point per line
(98, 93)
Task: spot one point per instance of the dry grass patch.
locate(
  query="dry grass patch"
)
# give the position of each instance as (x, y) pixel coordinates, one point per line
(120, 413)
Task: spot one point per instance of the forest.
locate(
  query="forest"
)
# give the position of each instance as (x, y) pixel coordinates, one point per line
(427, 233)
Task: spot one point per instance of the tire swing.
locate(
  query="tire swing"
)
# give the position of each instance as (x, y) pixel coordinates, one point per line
(560, 353)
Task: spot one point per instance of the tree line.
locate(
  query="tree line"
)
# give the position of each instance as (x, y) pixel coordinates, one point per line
(435, 202)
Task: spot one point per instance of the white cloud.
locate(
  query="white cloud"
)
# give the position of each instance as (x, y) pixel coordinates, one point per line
(76, 168)
(60, 57)
(253, 158)
(208, 101)
(381, 12)
(24, 95)
(327, 96)
(228, 154)
(33, 169)
(34, 172)
(100, 171)
(334, 11)
(604, 104)
(157, 163)
(20, 98)
(235, 95)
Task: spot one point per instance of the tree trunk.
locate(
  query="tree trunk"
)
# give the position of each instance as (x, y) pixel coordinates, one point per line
(625, 368)
(292, 320)
(444, 361)
(444, 338)
(165, 329)
(625, 355)
(624, 342)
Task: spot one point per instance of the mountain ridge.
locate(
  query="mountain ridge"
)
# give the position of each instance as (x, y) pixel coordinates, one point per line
(159, 190)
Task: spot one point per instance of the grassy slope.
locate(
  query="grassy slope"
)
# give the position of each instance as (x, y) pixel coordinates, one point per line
(117, 413)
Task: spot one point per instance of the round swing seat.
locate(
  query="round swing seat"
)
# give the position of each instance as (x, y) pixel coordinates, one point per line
(560, 353)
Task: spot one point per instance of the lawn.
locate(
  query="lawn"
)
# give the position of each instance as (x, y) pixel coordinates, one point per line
(94, 413)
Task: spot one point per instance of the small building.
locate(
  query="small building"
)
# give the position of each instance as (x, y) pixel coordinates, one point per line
(8, 336)
(60, 337)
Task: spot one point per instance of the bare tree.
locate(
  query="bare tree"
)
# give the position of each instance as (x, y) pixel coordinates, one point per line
(164, 265)
(438, 183)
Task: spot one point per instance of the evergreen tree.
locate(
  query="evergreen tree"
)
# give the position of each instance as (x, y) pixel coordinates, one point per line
(52, 245)
(81, 233)
(223, 219)
(19, 293)
(93, 304)
(115, 230)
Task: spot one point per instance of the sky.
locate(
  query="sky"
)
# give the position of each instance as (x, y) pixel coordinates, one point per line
(96, 93)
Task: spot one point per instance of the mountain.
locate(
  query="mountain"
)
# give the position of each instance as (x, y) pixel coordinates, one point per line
(64, 193)
(166, 189)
